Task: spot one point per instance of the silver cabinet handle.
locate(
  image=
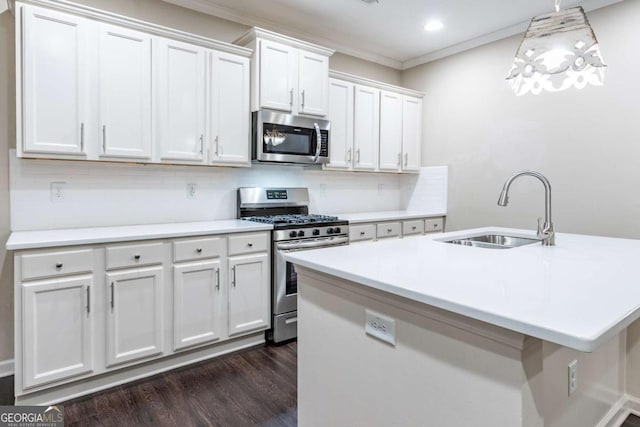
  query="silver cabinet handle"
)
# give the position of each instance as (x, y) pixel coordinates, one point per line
(358, 156)
(389, 230)
(136, 257)
(88, 299)
(349, 155)
(82, 137)
(59, 265)
(217, 278)
(199, 250)
(201, 143)
(406, 159)
(250, 244)
(399, 159)
(302, 99)
(291, 97)
(318, 142)
(362, 233)
(104, 139)
(233, 281)
(414, 227)
(217, 145)
(112, 295)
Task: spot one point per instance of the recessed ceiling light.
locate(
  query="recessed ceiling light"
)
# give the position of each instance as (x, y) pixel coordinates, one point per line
(433, 25)
(370, 1)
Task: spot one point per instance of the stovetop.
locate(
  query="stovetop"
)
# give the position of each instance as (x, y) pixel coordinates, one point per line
(295, 219)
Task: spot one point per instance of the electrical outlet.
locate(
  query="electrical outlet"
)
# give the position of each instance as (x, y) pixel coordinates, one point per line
(57, 191)
(191, 191)
(380, 188)
(381, 327)
(572, 371)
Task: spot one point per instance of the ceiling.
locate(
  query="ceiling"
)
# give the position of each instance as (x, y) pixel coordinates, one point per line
(389, 32)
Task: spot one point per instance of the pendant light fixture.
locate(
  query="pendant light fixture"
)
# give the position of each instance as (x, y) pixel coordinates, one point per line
(559, 51)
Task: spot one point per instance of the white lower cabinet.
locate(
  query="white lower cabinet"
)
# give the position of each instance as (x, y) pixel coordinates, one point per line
(248, 296)
(90, 313)
(197, 303)
(57, 329)
(135, 315)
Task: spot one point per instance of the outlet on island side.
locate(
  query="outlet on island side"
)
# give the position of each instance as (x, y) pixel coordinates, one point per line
(572, 370)
(381, 327)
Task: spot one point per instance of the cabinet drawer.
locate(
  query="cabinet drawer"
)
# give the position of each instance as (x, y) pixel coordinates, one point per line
(133, 255)
(388, 229)
(186, 250)
(248, 243)
(415, 226)
(433, 225)
(362, 232)
(51, 264)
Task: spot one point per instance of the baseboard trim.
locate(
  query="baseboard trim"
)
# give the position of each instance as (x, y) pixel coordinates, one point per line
(633, 404)
(617, 414)
(7, 368)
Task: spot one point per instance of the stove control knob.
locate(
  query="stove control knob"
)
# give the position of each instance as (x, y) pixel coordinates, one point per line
(316, 232)
(300, 233)
(293, 233)
(336, 230)
(329, 230)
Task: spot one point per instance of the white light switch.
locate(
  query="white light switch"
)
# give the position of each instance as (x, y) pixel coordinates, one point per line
(381, 327)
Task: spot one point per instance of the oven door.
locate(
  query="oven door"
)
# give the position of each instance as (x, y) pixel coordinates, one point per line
(285, 278)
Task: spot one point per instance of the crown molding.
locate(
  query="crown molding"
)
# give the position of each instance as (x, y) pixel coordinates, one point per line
(257, 32)
(374, 83)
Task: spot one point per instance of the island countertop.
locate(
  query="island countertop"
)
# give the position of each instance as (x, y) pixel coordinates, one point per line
(578, 294)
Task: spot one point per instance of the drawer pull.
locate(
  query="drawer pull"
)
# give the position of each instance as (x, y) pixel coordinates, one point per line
(199, 250)
(250, 245)
(389, 230)
(362, 233)
(58, 265)
(136, 257)
(413, 228)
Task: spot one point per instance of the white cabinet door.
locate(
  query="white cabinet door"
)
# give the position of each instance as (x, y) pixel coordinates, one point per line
(366, 128)
(230, 114)
(134, 311)
(57, 330)
(197, 303)
(180, 100)
(390, 131)
(54, 85)
(341, 116)
(277, 67)
(411, 133)
(249, 293)
(125, 92)
(313, 80)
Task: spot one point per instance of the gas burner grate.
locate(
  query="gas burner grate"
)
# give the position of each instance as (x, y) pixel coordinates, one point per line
(292, 219)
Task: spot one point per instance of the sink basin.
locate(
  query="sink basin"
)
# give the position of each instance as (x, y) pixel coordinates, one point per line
(493, 241)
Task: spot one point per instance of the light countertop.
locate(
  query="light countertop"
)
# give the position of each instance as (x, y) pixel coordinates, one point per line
(361, 217)
(83, 236)
(578, 293)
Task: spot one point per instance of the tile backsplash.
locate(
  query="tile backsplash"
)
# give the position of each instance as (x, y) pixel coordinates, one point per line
(104, 194)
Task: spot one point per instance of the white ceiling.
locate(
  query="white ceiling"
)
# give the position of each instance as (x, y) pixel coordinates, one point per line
(389, 32)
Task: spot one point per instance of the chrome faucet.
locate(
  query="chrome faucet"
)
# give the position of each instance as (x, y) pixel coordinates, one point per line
(546, 233)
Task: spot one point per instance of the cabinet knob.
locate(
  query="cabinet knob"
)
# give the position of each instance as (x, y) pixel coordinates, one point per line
(199, 250)
(136, 257)
(58, 265)
(389, 230)
(362, 233)
(250, 244)
(413, 228)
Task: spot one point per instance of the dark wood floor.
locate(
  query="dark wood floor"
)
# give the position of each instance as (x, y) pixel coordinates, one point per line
(255, 387)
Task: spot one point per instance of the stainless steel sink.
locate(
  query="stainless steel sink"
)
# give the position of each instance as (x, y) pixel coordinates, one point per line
(493, 241)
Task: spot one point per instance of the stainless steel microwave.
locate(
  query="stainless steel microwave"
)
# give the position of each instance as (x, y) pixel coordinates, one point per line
(285, 138)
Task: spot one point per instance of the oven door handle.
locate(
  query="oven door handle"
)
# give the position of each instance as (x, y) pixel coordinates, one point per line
(318, 142)
(285, 246)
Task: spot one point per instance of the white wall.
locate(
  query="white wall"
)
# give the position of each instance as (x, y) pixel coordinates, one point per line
(586, 142)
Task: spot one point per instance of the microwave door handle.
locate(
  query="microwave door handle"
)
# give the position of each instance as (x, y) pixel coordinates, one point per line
(318, 142)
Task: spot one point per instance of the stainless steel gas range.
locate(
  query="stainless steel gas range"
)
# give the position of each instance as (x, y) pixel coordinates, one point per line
(294, 230)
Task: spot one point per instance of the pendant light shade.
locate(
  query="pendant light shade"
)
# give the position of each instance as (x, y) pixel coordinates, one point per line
(559, 51)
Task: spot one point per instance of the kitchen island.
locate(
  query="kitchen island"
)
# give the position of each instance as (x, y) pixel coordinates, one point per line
(464, 335)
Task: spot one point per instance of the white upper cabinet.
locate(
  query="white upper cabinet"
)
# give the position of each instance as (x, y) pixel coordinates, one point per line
(366, 127)
(54, 83)
(124, 92)
(390, 131)
(277, 72)
(229, 116)
(180, 100)
(374, 126)
(288, 74)
(313, 81)
(341, 116)
(411, 133)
